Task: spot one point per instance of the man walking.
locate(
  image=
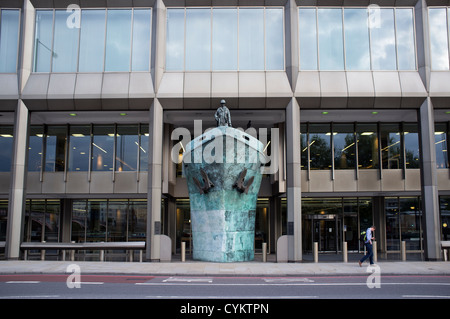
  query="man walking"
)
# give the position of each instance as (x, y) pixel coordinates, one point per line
(368, 244)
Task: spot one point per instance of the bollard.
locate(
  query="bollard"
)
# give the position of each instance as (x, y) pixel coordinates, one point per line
(403, 250)
(183, 251)
(72, 253)
(102, 255)
(374, 249)
(131, 252)
(140, 255)
(316, 252)
(445, 255)
(264, 252)
(344, 251)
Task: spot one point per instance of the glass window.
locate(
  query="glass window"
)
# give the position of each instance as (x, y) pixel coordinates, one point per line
(392, 223)
(251, 39)
(3, 218)
(175, 40)
(55, 148)
(304, 146)
(444, 202)
(35, 148)
(411, 137)
(127, 148)
(117, 220)
(52, 210)
(331, 46)
(225, 39)
(137, 222)
(9, 37)
(142, 21)
(391, 146)
(118, 40)
(320, 146)
(6, 148)
(274, 39)
(103, 148)
(96, 220)
(437, 20)
(198, 39)
(37, 213)
(79, 143)
(79, 217)
(143, 148)
(382, 35)
(410, 221)
(308, 38)
(406, 50)
(367, 139)
(65, 44)
(344, 146)
(357, 48)
(43, 41)
(92, 41)
(440, 137)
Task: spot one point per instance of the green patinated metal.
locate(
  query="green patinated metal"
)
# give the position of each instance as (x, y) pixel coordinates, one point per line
(223, 173)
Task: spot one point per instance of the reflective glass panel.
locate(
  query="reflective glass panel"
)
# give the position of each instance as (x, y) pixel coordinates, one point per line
(331, 45)
(225, 39)
(3, 218)
(198, 39)
(117, 220)
(52, 212)
(357, 49)
(127, 148)
(437, 21)
(412, 153)
(137, 223)
(92, 41)
(43, 41)
(79, 216)
(308, 38)
(274, 39)
(367, 139)
(142, 21)
(96, 220)
(391, 146)
(320, 146)
(35, 148)
(143, 148)
(79, 143)
(382, 36)
(344, 146)
(9, 37)
(392, 223)
(55, 149)
(175, 40)
(445, 217)
(410, 221)
(6, 148)
(406, 51)
(251, 39)
(118, 40)
(65, 44)
(103, 148)
(37, 220)
(440, 138)
(304, 146)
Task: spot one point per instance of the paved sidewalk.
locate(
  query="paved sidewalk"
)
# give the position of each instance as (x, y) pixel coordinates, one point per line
(193, 268)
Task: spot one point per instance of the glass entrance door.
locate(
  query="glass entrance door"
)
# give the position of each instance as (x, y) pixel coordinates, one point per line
(326, 232)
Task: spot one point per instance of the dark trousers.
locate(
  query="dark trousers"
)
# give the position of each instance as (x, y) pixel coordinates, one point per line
(369, 254)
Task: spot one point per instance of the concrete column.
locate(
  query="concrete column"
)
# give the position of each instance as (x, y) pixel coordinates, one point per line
(428, 175)
(294, 194)
(154, 182)
(291, 30)
(158, 42)
(17, 190)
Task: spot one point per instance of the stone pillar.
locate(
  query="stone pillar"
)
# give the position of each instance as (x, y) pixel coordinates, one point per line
(154, 182)
(17, 190)
(294, 194)
(428, 175)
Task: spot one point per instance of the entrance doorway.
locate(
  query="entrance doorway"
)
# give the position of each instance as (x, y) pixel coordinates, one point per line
(330, 221)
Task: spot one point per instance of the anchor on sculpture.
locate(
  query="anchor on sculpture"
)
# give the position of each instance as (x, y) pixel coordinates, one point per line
(207, 184)
(240, 182)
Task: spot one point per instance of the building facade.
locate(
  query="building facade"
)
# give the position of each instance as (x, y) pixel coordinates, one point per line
(98, 99)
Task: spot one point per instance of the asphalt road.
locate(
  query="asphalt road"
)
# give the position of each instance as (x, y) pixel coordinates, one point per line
(64, 286)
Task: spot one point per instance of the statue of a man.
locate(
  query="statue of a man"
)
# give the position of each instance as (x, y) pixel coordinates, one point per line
(222, 115)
